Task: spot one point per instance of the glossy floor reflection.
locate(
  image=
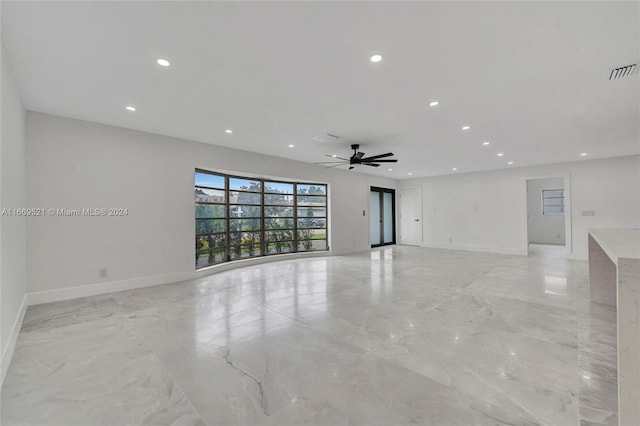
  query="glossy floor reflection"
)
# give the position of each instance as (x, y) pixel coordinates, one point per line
(401, 335)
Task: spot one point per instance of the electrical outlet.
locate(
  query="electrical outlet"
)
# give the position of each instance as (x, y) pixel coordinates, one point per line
(103, 273)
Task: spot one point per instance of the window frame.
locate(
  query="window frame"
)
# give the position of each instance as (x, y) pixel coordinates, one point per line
(542, 198)
(292, 243)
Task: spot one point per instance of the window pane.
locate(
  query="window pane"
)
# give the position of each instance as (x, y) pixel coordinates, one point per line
(553, 193)
(278, 187)
(209, 180)
(374, 217)
(312, 189)
(210, 210)
(208, 226)
(210, 249)
(553, 209)
(244, 224)
(243, 252)
(244, 211)
(387, 216)
(244, 185)
(312, 234)
(208, 257)
(278, 199)
(312, 223)
(209, 195)
(244, 244)
(244, 198)
(243, 237)
(280, 247)
(308, 200)
(554, 201)
(273, 223)
(278, 211)
(312, 212)
(275, 236)
(312, 245)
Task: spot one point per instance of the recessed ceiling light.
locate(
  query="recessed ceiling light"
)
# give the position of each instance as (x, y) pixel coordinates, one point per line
(510, 163)
(433, 103)
(409, 173)
(454, 169)
(390, 170)
(291, 145)
(163, 62)
(466, 127)
(229, 131)
(486, 143)
(130, 108)
(376, 58)
(500, 154)
(583, 154)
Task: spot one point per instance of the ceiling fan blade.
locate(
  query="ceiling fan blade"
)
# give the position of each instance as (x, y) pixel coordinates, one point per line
(380, 161)
(336, 165)
(333, 162)
(371, 164)
(375, 157)
(358, 156)
(333, 156)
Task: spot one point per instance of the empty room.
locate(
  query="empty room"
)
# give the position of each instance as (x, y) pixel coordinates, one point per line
(320, 213)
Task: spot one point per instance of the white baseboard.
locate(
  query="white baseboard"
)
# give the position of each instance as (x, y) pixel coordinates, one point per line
(574, 256)
(7, 354)
(48, 296)
(38, 297)
(497, 250)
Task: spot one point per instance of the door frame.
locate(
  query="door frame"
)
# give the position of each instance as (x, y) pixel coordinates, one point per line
(568, 237)
(381, 191)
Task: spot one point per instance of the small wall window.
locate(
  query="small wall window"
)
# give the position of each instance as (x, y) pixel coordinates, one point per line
(553, 201)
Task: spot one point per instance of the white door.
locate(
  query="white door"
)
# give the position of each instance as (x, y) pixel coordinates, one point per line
(411, 216)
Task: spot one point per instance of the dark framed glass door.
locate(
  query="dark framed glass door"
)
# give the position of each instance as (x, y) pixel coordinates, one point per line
(382, 216)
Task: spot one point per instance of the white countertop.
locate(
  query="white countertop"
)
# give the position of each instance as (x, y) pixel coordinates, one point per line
(618, 243)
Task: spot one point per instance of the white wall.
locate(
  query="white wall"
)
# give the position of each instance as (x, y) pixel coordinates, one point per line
(12, 195)
(487, 210)
(75, 164)
(543, 228)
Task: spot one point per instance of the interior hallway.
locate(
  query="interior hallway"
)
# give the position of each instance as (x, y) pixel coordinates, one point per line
(401, 335)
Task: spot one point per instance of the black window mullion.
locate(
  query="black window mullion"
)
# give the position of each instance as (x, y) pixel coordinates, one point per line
(263, 251)
(295, 217)
(228, 250)
(227, 247)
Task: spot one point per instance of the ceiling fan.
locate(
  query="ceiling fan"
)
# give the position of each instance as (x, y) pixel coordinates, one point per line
(358, 158)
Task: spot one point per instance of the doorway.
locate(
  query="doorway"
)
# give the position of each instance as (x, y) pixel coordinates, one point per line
(410, 216)
(546, 217)
(382, 216)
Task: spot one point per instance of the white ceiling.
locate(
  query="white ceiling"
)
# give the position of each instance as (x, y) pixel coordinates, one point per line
(528, 77)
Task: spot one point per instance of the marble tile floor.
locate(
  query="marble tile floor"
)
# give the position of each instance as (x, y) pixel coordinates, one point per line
(400, 335)
(547, 250)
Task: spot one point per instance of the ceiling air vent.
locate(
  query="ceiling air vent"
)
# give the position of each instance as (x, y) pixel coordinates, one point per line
(328, 137)
(623, 71)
